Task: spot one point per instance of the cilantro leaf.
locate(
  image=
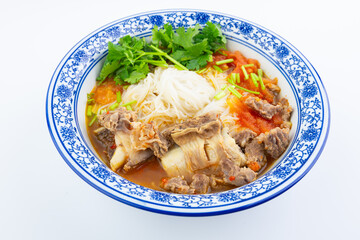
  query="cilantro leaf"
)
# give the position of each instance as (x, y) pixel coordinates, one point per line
(185, 38)
(139, 72)
(128, 61)
(212, 32)
(107, 69)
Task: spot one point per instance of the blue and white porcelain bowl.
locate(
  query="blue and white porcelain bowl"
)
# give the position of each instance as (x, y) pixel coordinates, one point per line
(76, 73)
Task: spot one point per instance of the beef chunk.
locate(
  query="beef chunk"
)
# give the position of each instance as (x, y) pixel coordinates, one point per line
(118, 120)
(274, 90)
(254, 151)
(285, 112)
(107, 139)
(275, 141)
(146, 135)
(235, 175)
(243, 137)
(200, 183)
(265, 109)
(177, 185)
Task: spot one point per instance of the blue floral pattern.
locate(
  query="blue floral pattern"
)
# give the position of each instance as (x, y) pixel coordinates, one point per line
(66, 86)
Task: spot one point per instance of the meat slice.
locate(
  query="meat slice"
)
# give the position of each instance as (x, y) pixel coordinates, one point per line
(274, 90)
(275, 141)
(285, 112)
(243, 136)
(200, 183)
(235, 175)
(118, 120)
(146, 135)
(255, 155)
(177, 185)
(106, 137)
(265, 109)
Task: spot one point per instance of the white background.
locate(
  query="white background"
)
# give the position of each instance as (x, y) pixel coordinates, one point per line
(42, 198)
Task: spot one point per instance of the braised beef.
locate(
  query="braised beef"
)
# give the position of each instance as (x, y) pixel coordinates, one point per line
(107, 139)
(118, 120)
(275, 141)
(177, 185)
(200, 183)
(285, 112)
(236, 175)
(243, 136)
(265, 109)
(274, 90)
(254, 152)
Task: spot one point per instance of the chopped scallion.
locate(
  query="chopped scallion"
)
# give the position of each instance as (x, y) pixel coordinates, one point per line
(244, 71)
(246, 90)
(233, 91)
(222, 53)
(128, 107)
(128, 103)
(248, 65)
(223, 87)
(114, 106)
(92, 120)
(118, 97)
(260, 74)
(202, 70)
(217, 68)
(89, 111)
(224, 61)
(237, 77)
(254, 79)
(211, 58)
(220, 95)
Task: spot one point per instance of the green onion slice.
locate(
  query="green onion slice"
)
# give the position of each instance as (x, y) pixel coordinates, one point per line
(245, 72)
(114, 106)
(118, 97)
(233, 91)
(202, 70)
(260, 74)
(93, 120)
(128, 103)
(217, 68)
(246, 90)
(220, 95)
(224, 61)
(249, 65)
(254, 79)
(89, 111)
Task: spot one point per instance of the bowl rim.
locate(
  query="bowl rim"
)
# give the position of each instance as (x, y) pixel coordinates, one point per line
(288, 183)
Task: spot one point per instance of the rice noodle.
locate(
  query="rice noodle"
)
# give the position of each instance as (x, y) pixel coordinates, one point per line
(170, 96)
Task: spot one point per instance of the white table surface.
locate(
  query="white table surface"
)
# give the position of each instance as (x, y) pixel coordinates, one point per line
(42, 198)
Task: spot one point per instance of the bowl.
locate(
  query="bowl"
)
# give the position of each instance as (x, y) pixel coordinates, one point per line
(75, 76)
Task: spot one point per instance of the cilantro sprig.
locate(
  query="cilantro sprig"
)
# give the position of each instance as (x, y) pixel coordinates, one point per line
(131, 59)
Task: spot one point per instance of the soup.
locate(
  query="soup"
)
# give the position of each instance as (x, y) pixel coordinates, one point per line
(182, 114)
